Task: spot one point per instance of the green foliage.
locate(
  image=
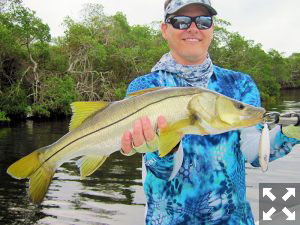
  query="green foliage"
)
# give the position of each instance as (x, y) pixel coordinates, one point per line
(13, 101)
(270, 69)
(40, 111)
(105, 51)
(294, 62)
(99, 55)
(120, 91)
(3, 117)
(57, 61)
(25, 25)
(55, 97)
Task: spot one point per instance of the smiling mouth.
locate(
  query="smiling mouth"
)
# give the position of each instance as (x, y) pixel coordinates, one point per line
(191, 39)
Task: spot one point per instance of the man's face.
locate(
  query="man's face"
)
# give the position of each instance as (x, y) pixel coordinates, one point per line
(188, 47)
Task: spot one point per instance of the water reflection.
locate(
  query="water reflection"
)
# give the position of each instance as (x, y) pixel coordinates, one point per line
(289, 101)
(110, 194)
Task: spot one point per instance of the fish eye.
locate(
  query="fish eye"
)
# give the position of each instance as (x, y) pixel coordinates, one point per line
(240, 106)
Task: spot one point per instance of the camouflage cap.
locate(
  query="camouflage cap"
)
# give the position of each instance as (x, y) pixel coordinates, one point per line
(175, 5)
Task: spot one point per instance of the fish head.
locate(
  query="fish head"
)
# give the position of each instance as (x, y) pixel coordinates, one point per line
(238, 114)
(219, 112)
(203, 105)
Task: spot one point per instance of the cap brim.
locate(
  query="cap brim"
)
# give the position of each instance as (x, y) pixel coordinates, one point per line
(210, 9)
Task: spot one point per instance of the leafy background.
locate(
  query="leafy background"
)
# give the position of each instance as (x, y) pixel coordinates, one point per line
(99, 55)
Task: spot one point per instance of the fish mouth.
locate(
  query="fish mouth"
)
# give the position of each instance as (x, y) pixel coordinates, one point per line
(245, 117)
(256, 115)
(259, 117)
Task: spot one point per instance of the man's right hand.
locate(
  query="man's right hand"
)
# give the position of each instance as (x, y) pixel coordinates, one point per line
(142, 132)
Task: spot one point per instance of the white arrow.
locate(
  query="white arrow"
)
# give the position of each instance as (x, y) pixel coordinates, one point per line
(267, 216)
(291, 216)
(267, 192)
(290, 192)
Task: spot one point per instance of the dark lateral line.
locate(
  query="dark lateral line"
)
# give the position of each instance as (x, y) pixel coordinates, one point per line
(112, 124)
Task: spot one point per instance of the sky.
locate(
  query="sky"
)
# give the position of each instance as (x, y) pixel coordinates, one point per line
(273, 23)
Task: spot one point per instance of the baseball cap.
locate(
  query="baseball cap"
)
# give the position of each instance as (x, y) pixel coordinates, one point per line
(175, 5)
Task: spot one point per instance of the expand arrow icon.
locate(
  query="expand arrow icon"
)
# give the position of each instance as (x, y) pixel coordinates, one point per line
(267, 192)
(290, 192)
(267, 216)
(291, 216)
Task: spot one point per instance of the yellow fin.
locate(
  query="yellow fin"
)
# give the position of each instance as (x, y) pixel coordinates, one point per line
(82, 110)
(40, 173)
(89, 164)
(171, 136)
(39, 183)
(140, 92)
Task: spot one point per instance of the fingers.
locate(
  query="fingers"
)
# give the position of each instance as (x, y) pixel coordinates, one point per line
(142, 131)
(148, 130)
(137, 133)
(126, 142)
(161, 122)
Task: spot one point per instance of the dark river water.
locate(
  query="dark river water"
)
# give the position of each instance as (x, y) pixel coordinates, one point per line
(114, 193)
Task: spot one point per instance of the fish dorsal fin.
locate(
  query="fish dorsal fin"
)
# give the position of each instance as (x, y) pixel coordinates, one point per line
(89, 164)
(140, 92)
(82, 110)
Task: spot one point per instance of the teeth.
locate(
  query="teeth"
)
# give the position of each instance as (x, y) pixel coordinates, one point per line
(191, 39)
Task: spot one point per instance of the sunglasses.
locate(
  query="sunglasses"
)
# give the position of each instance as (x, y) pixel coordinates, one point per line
(184, 22)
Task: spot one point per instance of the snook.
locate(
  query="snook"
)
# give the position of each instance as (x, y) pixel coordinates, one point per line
(96, 129)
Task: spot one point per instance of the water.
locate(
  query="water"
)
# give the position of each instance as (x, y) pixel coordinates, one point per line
(113, 194)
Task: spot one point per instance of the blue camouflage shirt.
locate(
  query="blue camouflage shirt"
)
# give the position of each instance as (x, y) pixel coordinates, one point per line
(209, 184)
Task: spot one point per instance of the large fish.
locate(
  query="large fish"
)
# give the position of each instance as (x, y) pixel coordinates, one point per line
(96, 129)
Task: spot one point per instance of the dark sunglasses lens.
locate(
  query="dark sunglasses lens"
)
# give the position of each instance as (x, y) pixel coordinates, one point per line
(203, 22)
(181, 22)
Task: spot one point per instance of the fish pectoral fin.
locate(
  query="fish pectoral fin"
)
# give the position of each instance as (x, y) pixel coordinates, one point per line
(82, 110)
(40, 174)
(167, 141)
(89, 164)
(171, 136)
(144, 91)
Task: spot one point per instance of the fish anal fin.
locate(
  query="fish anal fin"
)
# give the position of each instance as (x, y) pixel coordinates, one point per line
(89, 164)
(39, 184)
(144, 91)
(82, 110)
(170, 136)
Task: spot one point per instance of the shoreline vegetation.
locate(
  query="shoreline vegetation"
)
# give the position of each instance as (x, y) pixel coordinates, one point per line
(99, 55)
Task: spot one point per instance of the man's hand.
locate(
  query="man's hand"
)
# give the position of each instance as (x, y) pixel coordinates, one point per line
(143, 132)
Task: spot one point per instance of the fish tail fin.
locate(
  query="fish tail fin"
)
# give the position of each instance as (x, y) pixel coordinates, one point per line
(25, 166)
(39, 172)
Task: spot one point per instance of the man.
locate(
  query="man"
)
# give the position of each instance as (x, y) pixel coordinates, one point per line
(202, 181)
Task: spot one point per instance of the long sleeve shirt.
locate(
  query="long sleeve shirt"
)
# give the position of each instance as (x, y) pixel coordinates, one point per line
(204, 181)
